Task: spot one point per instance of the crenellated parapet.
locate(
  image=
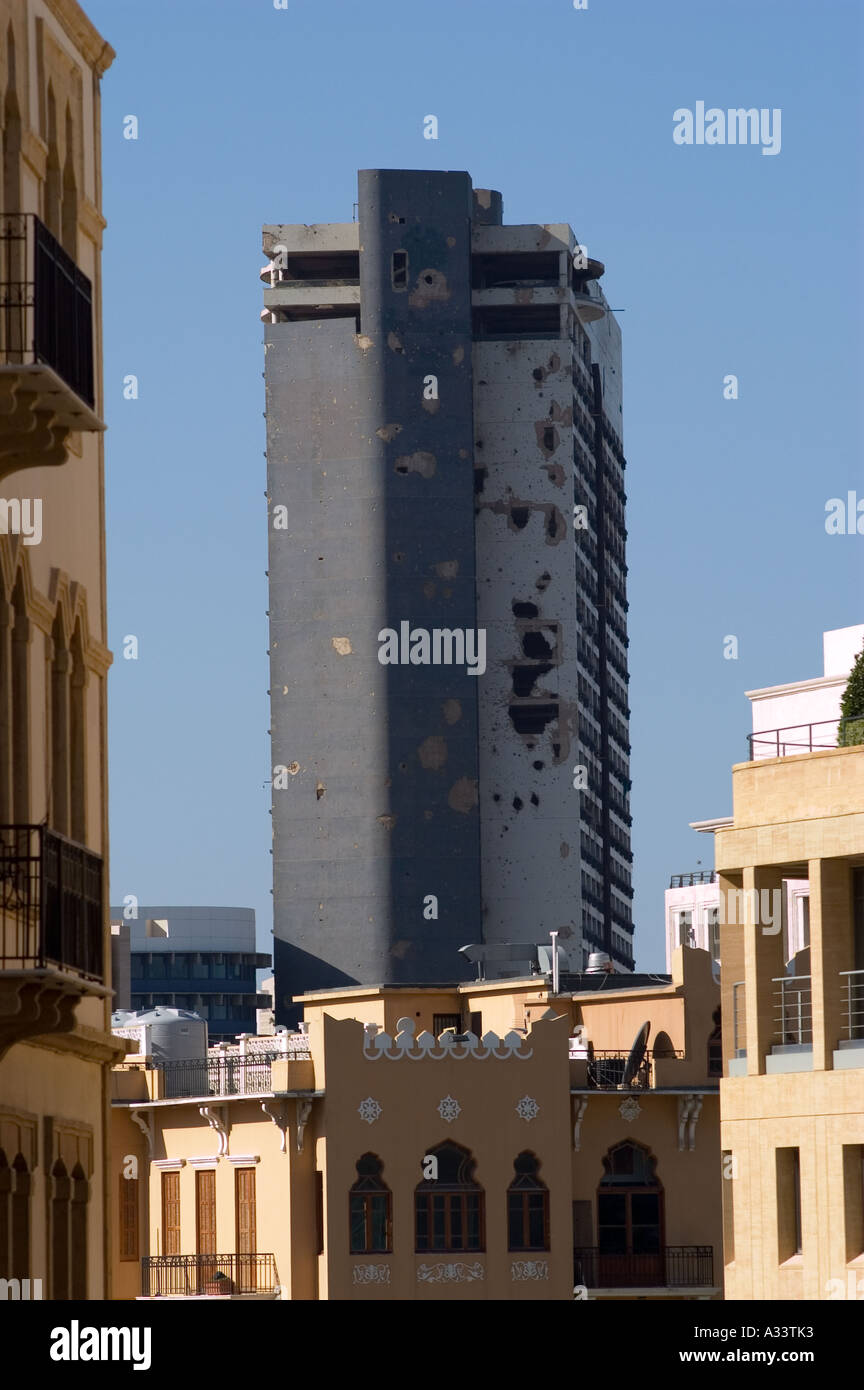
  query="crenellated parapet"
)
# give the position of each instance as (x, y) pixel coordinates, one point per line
(450, 1045)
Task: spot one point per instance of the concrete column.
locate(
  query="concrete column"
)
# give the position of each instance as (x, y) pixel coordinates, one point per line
(763, 962)
(731, 971)
(831, 950)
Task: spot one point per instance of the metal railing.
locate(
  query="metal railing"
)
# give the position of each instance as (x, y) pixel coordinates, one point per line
(51, 896)
(691, 880)
(793, 1012)
(800, 738)
(672, 1267)
(852, 984)
(218, 1076)
(739, 1019)
(606, 1070)
(46, 304)
(190, 1276)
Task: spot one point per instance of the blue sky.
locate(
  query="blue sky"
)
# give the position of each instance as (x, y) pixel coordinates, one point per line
(723, 260)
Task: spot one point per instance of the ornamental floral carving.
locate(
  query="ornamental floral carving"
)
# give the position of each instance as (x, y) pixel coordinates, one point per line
(529, 1269)
(449, 1109)
(371, 1274)
(527, 1108)
(456, 1273)
(629, 1109)
(369, 1110)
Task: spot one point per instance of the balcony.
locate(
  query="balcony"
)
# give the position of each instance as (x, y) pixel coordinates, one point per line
(805, 738)
(850, 1049)
(672, 1267)
(209, 1276)
(218, 1076)
(46, 346)
(692, 880)
(605, 1070)
(51, 931)
(792, 1048)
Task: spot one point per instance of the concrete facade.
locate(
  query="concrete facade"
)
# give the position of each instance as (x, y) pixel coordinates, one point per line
(442, 392)
(201, 959)
(792, 1094)
(377, 1074)
(56, 1047)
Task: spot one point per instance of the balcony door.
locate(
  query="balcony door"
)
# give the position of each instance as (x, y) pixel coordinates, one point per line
(246, 1232)
(205, 1211)
(630, 1220)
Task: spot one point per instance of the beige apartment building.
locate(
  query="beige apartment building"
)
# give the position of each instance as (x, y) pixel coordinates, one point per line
(56, 1047)
(495, 1140)
(792, 1094)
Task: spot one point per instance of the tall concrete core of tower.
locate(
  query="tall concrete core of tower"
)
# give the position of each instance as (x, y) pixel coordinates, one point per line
(448, 646)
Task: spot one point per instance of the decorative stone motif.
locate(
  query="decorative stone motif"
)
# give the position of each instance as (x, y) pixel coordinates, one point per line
(371, 1274)
(458, 1273)
(629, 1109)
(527, 1108)
(369, 1110)
(529, 1269)
(425, 1045)
(449, 1109)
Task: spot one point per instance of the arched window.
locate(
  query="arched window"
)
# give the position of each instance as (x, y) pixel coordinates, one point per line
(5, 1214)
(11, 133)
(19, 1222)
(77, 739)
(61, 1196)
(59, 729)
(80, 1197)
(527, 1206)
(20, 708)
(448, 1207)
(371, 1221)
(630, 1218)
(70, 192)
(52, 197)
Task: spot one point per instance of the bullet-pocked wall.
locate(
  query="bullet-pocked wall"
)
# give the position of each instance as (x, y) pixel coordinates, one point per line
(371, 506)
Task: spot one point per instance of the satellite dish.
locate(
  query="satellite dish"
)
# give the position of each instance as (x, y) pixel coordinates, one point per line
(637, 1055)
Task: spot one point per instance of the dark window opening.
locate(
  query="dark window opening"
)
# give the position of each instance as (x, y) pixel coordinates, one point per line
(526, 677)
(526, 269)
(541, 321)
(370, 1209)
(449, 1209)
(533, 718)
(399, 270)
(527, 1206)
(321, 268)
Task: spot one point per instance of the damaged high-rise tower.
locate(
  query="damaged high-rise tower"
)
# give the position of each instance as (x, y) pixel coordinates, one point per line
(444, 462)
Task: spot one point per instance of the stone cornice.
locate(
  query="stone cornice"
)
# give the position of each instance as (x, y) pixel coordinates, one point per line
(84, 1041)
(95, 50)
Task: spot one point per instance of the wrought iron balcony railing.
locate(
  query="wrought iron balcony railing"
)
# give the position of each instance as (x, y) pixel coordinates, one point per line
(670, 1267)
(51, 896)
(190, 1276)
(46, 305)
(218, 1076)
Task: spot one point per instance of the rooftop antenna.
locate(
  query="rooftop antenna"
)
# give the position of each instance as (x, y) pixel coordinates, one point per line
(555, 979)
